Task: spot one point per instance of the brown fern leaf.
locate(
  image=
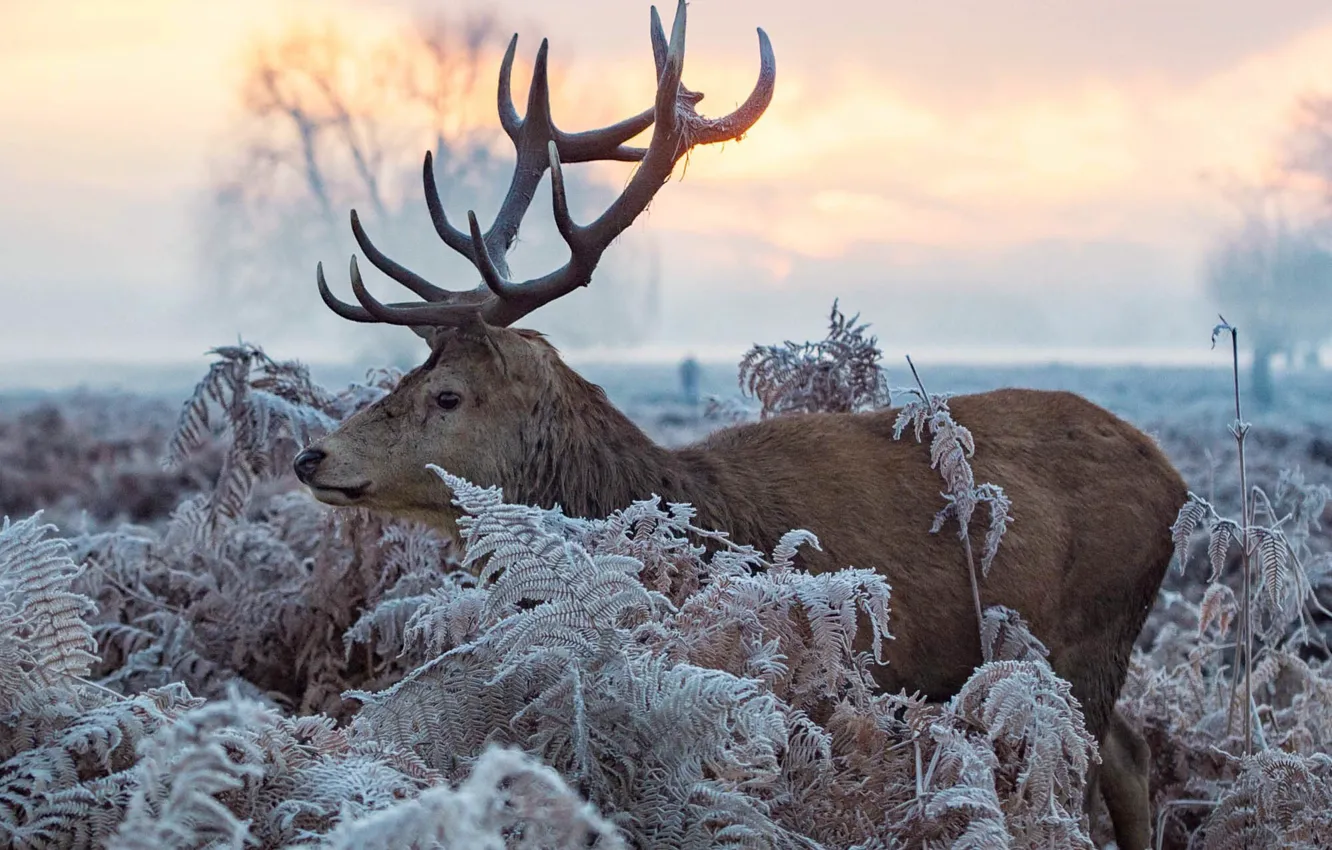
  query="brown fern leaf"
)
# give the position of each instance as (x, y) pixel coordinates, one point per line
(234, 485)
(1218, 605)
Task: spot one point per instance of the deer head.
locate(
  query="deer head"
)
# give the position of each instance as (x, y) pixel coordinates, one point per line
(473, 405)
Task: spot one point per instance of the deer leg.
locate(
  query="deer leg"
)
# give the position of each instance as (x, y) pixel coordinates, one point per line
(1124, 780)
(1123, 776)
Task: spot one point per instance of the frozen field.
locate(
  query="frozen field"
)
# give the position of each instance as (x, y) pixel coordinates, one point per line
(1186, 408)
(297, 606)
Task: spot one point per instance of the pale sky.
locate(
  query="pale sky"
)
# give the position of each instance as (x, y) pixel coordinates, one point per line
(963, 172)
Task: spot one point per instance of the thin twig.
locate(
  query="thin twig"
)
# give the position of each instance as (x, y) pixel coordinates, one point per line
(1239, 429)
(133, 594)
(920, 773)
(95, 686)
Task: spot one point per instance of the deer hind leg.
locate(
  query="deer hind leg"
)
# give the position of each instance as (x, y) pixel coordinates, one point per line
(1124, 779)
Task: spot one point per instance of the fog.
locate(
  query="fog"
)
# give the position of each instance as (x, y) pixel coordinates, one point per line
(977, 180)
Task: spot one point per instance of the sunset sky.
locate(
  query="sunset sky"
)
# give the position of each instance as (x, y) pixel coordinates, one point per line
(966, 173)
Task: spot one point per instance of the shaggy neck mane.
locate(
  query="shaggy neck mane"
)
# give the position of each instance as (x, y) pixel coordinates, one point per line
(583, 454)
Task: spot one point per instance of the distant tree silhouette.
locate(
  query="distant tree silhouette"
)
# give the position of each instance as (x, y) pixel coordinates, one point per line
(1274, 279)
(1271, 272)
(330, 124)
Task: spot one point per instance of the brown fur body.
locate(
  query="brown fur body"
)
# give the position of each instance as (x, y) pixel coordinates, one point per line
(1093, 499)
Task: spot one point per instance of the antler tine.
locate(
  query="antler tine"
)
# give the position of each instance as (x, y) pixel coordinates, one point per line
(508, 115)
(736, 124)
(668, 81)
(606, 143)
(677, 129)
(564, 222)
(514, 300)
(398, 272)
(346, 311)
(452, 236)
(377, 311)
(530, 134)
(534, 131)
(526, 134)
(484, 263)
(659, 45)
(460, 309)
(540, 145)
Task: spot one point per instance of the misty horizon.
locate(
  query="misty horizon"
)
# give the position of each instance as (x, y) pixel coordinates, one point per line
(1047, 191)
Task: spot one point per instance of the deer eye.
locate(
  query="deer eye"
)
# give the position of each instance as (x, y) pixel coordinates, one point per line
(448, 400)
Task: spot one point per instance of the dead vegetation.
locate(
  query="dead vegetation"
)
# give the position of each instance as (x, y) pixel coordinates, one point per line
(301, 676)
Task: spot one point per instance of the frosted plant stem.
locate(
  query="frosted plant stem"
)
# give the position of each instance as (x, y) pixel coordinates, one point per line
(966, 533)
(1239, 429)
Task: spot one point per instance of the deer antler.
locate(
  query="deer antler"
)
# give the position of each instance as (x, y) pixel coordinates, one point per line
(540, 145)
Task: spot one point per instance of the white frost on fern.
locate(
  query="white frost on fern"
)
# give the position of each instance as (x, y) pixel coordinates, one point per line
(683, 690)
(951, 446)
(510, 801)
(44, 639)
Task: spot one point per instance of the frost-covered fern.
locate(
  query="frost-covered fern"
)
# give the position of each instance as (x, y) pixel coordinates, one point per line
(307, 677)
(836, 374)
(266, 406)
(565, 664)
(732, 706)
(951, 446)
(1221, 677)
(44, 640)
(1278, 800)
(508, 800)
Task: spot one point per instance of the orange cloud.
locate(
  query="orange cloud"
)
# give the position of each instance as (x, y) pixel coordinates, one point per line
(850, 154)
(133, 99)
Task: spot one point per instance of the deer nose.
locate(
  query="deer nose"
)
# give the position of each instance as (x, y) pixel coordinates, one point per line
(307, 462)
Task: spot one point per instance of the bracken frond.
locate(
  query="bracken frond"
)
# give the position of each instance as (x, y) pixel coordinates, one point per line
(1225, 533)
(40, 611)
(1219, 606)
(1273, 553)
(1191, 514)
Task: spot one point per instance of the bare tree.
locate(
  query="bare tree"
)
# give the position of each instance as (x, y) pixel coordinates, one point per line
(1308, 148)
(1272, 274)
(329, 125)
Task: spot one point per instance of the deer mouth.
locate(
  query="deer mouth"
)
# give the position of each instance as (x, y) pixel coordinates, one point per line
(340, 496)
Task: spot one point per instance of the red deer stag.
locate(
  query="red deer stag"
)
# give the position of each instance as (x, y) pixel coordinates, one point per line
(498, 406)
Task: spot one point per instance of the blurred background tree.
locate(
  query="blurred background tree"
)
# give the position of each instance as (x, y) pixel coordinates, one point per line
(1271, 272)
(327, 126)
